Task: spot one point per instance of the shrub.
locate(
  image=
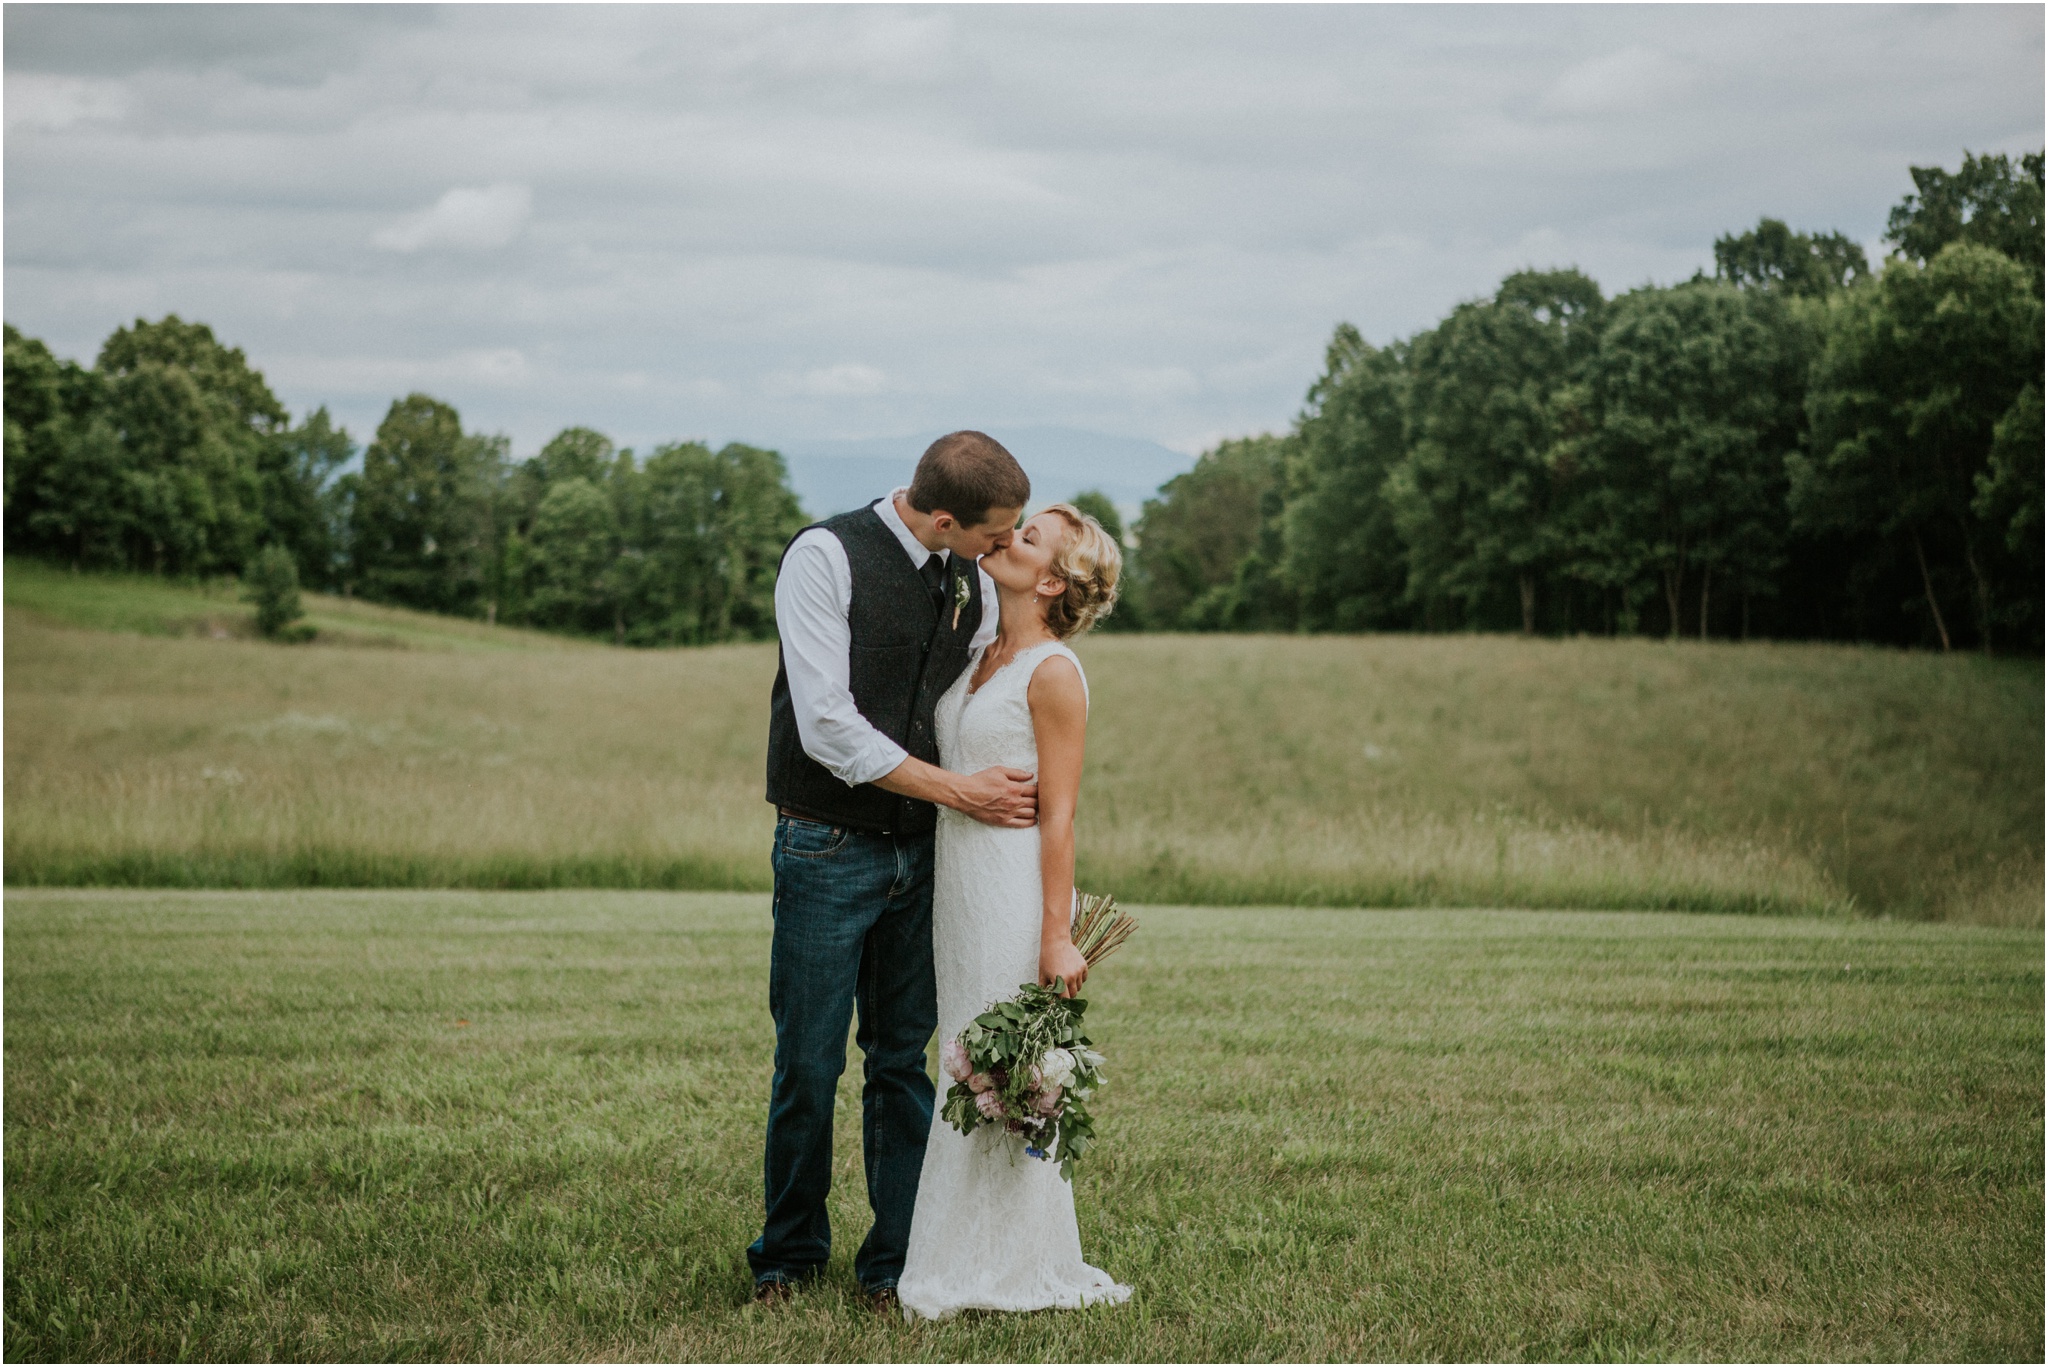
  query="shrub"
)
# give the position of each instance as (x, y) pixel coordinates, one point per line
(273, 586)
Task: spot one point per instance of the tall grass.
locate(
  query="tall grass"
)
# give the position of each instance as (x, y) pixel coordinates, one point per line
(1312, 771)
(1495, 770)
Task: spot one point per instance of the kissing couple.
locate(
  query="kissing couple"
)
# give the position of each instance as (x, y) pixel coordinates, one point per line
(925, 741)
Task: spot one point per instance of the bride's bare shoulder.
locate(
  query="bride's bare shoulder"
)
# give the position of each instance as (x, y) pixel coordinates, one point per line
(1057, 685)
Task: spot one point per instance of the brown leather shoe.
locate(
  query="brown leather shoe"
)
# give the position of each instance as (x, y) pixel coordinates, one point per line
(882, 1300)
(773, 1291)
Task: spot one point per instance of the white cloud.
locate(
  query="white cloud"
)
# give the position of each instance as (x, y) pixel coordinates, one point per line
(479, 218)
(486, 367)
(51, 104)
(828, 382)
(775, 223)
(1635, 78)
(1154, 384)
(493, 366)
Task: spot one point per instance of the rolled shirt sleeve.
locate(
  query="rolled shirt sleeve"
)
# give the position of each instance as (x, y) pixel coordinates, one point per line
(813, 593)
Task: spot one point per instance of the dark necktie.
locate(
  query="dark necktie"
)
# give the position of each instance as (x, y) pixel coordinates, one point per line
(935, 579)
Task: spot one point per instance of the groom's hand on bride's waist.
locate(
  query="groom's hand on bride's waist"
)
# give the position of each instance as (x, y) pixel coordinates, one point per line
(996, 796)
(999, 797)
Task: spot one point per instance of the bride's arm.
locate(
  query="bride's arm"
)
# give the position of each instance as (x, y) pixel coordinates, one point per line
(1059, 717)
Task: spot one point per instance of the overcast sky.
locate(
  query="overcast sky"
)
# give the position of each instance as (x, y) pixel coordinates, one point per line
(787, 223)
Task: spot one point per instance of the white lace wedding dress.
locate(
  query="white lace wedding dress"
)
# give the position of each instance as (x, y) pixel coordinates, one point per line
(993, 1229)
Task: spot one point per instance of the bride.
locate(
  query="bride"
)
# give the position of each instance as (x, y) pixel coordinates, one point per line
(993, 1229)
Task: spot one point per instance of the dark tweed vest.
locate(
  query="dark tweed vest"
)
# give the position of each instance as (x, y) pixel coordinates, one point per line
(905, 653)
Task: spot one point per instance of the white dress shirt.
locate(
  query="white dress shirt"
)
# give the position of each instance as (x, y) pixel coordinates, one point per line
(813, 594)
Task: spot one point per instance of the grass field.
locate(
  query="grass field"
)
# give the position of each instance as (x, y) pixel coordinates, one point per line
(1386, 771)
(214, 610)
(526, 1126)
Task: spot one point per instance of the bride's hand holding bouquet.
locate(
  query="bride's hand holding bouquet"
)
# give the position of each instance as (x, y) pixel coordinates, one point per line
(1024, 1064)
(1060, 963)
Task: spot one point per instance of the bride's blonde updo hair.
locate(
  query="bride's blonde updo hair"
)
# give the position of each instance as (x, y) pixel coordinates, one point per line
(1090, 561)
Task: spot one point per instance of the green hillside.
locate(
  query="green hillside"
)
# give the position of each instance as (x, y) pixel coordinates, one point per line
(404, 749)
(214, 609)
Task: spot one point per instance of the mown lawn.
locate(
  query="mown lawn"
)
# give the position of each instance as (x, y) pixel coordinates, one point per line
(526, 1126)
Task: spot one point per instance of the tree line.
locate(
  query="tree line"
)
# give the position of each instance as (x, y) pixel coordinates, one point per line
(1795, 446)
(170, 455)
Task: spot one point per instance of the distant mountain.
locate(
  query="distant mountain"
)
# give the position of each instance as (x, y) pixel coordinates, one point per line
(833, 476)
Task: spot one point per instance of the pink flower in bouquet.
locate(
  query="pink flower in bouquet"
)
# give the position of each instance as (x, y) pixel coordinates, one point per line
(989, 1104)
(1048, 1102)
(953, 1058)
(980, 1082)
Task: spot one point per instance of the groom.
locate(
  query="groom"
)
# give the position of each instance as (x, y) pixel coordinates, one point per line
(878, 610)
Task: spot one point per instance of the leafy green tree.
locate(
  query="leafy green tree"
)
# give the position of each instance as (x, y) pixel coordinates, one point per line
(193, 499)
(65, 468)
(193, 420)
(1907, 401)
(1475, 498)
(32, 390)
(2009, 490)
(712, 530)
(2009, 503)
(760, 515)
(1694, 394)
(1344, 555)
(1989, 200)
(573, 453)
(1771, 256)
(153, 461)
(424, 514)
(35, 404)
(1195, 534)
(238, 393)
(171, 455)
(301, 507)
(680, 550)
(1258, 596)
(1096, 504)
(576, 548)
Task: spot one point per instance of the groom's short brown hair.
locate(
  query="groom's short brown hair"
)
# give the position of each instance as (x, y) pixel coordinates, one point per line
(966, 474)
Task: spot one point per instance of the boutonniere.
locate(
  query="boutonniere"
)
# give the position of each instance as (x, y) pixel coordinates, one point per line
(959, 598)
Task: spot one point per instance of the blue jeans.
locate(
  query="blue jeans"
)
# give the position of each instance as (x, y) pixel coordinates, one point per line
(853, 926)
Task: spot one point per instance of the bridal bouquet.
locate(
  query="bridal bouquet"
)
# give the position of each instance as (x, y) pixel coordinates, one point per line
(1024, 1064)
